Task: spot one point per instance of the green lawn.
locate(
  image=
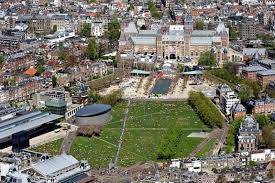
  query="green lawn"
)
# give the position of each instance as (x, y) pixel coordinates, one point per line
(146, 125)
(52, 148)
(208, 147)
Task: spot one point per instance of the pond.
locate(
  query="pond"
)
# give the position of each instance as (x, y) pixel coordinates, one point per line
(162, 86)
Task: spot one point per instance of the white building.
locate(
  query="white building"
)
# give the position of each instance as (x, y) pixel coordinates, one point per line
(194, 166)
(228, 100)
(98, 29)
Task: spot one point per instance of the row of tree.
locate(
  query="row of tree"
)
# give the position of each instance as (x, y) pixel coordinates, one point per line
(209, 114)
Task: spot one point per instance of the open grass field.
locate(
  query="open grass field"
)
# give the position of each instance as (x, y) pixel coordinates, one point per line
(51, 148)
(146, 125)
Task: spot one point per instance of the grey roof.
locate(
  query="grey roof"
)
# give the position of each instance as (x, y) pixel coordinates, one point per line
(266, 72)
(173, 38)
(136, 71)
(53, 165)
(131, 28)
(93, 110)
(25, 122)
(238, 108)
(267, 61)
(196, 72)
(201, 41)
(148, 32)
(252, 51)
(254, 68)
(249, 125)
(143, 40)
(202, 33)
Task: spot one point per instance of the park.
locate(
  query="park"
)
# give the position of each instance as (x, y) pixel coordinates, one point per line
(146, 132)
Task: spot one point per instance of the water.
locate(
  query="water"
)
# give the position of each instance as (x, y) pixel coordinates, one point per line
(162, 86)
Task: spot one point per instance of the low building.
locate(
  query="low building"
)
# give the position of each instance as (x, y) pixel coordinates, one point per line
(26, 121)
(249, 134)
(56, 169)
(59, 168)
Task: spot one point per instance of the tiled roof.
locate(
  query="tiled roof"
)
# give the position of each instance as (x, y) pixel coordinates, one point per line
(31, 71)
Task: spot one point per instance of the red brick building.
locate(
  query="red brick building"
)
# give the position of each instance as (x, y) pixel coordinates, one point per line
(265, 105)
(264, 77)
(238, 111)
(250, 72)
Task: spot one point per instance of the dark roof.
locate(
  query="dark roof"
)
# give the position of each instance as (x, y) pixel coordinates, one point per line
(93, 110)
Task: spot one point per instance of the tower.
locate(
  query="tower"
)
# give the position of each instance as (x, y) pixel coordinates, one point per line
(223, 32)
(188, 23)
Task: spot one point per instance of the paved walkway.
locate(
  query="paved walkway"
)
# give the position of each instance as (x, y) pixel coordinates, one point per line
(68, 141)
(122, 133)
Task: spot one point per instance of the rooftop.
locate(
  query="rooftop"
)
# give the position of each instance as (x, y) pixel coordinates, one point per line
(254, 68)
(93, 110)
(53, 165)
(266, 72)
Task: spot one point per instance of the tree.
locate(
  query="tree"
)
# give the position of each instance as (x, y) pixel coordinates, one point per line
(254, 85)
(1, 58)
(232, 32)
(209, 114)
(54, 81)
(207, 59)
(199, 25)
(153, 10)
(71, 60)
(268, 137)
(91, 50)
(182, 2)
(62, 55)
(231, 67)
(40, 69)
(54, 28)
(86, 30)
(113, 32)
(101, 49)
(93, 95)
(245, 93)
(263, 120)
(131, 7)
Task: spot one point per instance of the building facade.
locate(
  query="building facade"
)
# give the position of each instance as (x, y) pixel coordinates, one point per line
(175, 42)
(249, 134)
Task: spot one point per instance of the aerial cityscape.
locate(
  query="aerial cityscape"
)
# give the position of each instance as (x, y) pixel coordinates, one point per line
(137, 91)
